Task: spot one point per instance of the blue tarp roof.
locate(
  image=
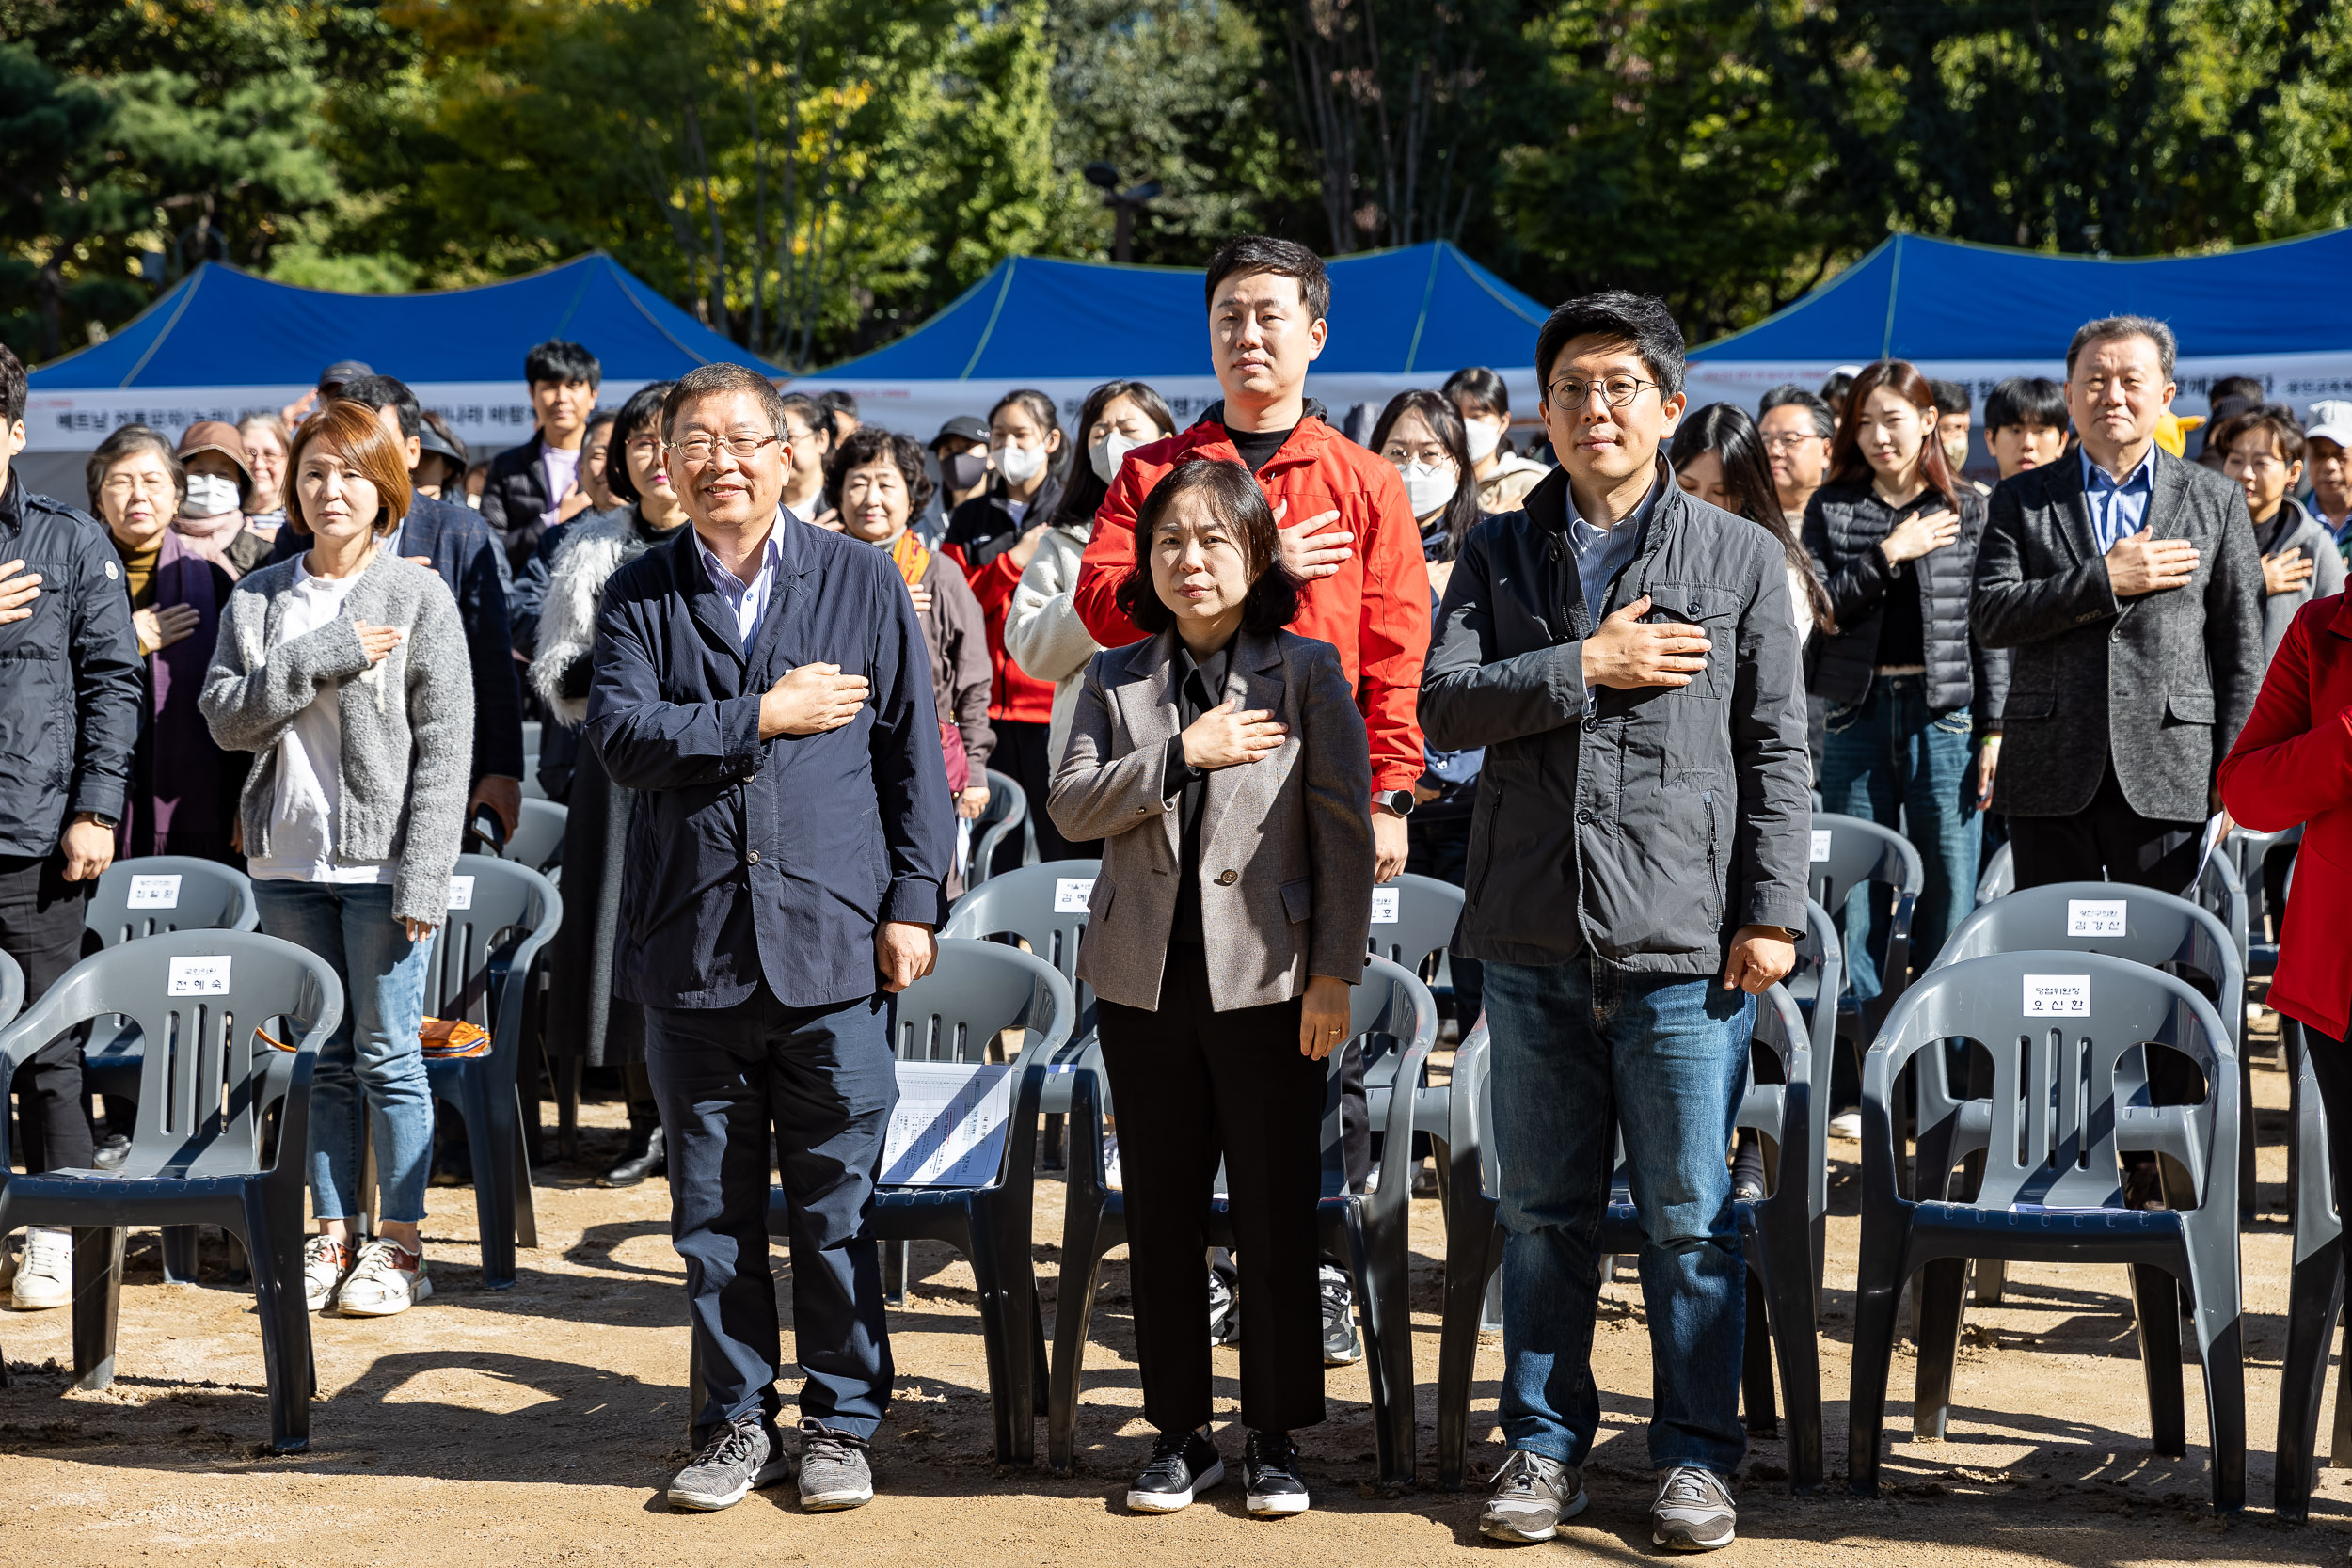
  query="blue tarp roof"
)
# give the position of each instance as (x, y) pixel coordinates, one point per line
(220, 327)
(1922, 299)
(1423, 308)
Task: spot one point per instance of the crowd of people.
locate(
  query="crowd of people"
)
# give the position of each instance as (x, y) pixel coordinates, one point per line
(1590, 667)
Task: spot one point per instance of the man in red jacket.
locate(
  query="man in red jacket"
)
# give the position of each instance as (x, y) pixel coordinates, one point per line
(1346, 528)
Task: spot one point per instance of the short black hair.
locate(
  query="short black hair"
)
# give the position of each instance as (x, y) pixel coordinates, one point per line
(11, 386)
(2107, 329)
(1282, 258)
(642, 411)
(1950, 397)
(1836, 392)
(2030, 401)
(1789, 395)
(813, 414)
(559, 360)
(2247, 386)
(1228, 488)
(1477, 384)
(380, 392)
(838, 402)
(869, 444)
(1617, 316)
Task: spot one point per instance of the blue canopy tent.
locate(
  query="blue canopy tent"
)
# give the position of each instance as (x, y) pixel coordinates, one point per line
(1398, 319)
(222, 341)
(1976, 314)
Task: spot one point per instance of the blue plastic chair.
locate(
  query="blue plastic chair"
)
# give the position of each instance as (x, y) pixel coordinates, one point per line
(2064, 1101)
(1371, 1229)
(203, 999)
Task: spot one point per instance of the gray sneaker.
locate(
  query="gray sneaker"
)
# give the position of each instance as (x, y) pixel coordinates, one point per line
(834, 1472)
(1533, 1493)
(1693, 1511)
(741, 1456)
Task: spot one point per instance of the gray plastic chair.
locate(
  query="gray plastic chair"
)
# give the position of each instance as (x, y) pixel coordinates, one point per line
(1776, 1236)
(2000, 875)
(537, 840)
(11, 1002)
(197, 1156)
(1006, 811)
(1856, 855)
(2221, 890)
(2063, 1103)
(954, 1014)
(2249, 850)
(1023, 903)
(1370, 1229)
(2315, 1300)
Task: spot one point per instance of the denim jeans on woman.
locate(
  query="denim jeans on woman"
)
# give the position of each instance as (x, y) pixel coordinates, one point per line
(373, 1066)
(1581, 1050)
(1889, 759)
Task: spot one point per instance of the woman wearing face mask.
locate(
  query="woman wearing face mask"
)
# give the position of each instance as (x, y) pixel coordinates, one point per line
(2263, 451)
(1912, 697)
(1504, 478)
(1042, 632)
(875, 485)
(583, 1014)
(267, 443)
(212, 508)
(993, 536)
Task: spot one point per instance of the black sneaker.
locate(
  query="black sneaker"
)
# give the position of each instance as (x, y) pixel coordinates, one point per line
(1340, 1347)
(744, 1455)
(112, 1150)
(1224, 1309)
(1747, 1167)
(1269, 1475)
(1184, 1466)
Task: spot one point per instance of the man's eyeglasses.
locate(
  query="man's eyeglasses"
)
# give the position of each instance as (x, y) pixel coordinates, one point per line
(1617, 392)
(1787, 441)
(699, 449)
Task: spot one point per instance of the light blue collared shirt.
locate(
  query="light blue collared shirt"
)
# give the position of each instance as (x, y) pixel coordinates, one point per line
(748, 600)
(2119, 509)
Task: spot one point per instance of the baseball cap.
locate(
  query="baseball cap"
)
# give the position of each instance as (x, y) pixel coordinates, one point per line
(341, 371)
(2331, 420)
(215, 436)
(963, 427)
(432, 440)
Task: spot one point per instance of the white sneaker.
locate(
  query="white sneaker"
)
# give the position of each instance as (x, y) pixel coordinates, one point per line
(45, 1277)
(385, 1281)
(1846, 1126)
(325, 1261)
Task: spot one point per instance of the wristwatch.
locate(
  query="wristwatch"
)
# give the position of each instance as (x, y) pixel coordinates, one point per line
(97, 819)
(1397, 800)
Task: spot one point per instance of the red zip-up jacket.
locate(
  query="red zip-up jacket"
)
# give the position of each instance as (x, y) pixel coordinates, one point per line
(1374, 610)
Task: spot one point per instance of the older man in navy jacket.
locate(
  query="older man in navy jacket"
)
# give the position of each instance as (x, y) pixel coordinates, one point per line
(766, 686)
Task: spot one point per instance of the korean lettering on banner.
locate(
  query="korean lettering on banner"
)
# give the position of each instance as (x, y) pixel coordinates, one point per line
(1071, 895)
(2094, 917)
(2057, 996)
(153, 892)
(196, 976)
(1384, 906)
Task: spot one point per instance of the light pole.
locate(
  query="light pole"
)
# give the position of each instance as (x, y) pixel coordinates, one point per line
(1123, 205)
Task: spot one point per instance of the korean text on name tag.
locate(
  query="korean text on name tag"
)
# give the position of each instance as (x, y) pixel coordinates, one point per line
(207, 976)
(2057, 996)
(155, 892)
(2094, 917)
(1070, 894)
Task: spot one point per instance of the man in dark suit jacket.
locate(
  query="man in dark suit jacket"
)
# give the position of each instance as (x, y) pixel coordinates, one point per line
(451, 540)
(765, 685)
(2127, 583)
(535, 487)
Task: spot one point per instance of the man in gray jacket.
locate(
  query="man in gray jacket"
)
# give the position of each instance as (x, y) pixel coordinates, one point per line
(1637, 873)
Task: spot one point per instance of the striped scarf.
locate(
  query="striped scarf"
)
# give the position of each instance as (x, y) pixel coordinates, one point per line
(913, 558)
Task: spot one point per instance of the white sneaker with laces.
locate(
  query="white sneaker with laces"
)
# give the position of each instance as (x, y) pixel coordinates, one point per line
(324, 1264)
(44, 1276)
(385, 1281)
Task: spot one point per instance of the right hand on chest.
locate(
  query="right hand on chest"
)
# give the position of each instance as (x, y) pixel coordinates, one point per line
(811, 700)
(1226, 738)
(1628, 652)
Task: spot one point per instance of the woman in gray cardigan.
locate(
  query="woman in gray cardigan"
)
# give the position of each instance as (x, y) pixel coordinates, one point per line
(345, 672)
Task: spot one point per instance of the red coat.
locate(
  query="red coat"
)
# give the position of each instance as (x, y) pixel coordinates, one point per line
(1374, 610)
(2293, 762)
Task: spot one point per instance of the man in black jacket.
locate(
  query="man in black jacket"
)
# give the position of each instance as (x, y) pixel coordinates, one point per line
(536, 486)
(1637, 873)
(71, 696)
(2127, 583)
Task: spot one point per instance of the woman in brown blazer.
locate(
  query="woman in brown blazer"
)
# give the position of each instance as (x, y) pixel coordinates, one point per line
(1223, 764)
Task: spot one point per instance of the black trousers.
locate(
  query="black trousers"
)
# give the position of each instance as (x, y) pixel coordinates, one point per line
(1190, 1083)
(40, 927)
(1023, 755)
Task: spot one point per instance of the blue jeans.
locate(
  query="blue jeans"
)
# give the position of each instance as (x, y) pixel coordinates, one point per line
(1890, 759)
(1581, 1050)
(374, 1063)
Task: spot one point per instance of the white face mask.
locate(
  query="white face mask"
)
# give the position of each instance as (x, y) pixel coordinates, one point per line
(1428, 485)
(209, 495)
(1108, 452)
(1020, 464)
(1484, 436)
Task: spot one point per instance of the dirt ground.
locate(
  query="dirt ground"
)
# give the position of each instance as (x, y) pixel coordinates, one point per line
(540, 1424)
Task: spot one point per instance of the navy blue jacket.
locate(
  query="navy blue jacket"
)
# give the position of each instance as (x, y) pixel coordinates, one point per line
(73, 686)
(460, 547)
(753, 859)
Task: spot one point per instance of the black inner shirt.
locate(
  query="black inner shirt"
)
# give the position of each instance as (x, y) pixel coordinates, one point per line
(1200, 686)
(1257, 447)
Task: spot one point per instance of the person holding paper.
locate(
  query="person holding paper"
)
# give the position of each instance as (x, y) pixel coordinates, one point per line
(764, 687)
(344, 670)
(1222, 762)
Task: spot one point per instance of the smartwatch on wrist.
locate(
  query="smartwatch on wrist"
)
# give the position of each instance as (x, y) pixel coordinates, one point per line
(1398, 801)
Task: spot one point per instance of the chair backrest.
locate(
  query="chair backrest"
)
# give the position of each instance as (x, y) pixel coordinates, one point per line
(974, 993)
(1046, 906)
(11, 989)
(1006, 811)
(1391, 1005)
(1847, 851)
(1412, 918)
(499, 915)
(169, 892)
(2056, 1025)
(2221, 890)
(1821, 968)
(200, 999)
(2000, 875)
(537, 840)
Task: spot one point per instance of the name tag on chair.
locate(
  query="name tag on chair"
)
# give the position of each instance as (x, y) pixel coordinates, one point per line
(1071, 895)
(1821, 845)
(461, 893)
(2057, 996)
(2094, 917)
(1384, 905)
(155, 892)
(196, 976)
